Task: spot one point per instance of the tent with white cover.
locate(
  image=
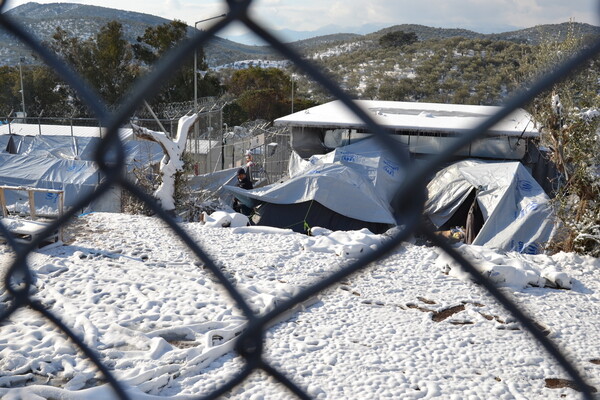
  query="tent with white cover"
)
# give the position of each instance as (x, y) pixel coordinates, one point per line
(62, 158)
(515, 210)
(75, 178)
(349, 188)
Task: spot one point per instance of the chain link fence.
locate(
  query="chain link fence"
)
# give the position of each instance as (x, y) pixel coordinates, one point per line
(408, 202)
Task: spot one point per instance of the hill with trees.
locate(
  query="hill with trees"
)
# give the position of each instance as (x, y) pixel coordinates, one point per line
(84, 21)
(432, 64)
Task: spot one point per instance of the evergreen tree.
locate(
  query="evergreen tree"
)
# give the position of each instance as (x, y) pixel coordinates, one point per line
(398, 39)
(158, 41)
(114, 69)
(9, 76)
(104, 61)
(262, 93)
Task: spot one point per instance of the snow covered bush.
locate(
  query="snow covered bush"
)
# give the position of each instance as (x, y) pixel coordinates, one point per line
(146, 178)
(569, 120)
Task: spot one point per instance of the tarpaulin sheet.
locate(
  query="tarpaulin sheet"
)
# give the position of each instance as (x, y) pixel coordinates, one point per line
(516, 210)
(357, 181)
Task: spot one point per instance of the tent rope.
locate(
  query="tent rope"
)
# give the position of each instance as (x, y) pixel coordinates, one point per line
(304, 223)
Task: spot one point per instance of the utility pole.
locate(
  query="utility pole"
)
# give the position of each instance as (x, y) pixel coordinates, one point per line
(196, 128)
(292, 93)
(22, 90)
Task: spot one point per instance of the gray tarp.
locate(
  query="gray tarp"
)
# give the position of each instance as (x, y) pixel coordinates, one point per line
(516, 210)
(65, 162)
(81, 148)
(76, 178)
(357, 181)
(214, 183)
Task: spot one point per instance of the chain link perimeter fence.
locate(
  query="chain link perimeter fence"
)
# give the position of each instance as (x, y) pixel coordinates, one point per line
(408, 202)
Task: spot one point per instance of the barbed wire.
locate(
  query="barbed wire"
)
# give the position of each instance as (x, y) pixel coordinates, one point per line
(408, 202)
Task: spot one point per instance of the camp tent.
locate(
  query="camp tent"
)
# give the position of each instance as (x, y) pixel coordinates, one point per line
(515, 211)
(67, 147)
(76, 178)
(62, 158)
(348, 188)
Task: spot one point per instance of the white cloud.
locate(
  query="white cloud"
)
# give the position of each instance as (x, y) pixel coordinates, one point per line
(312, 14)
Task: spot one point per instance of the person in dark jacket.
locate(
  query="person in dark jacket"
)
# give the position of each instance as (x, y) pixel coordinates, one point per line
(243, 182)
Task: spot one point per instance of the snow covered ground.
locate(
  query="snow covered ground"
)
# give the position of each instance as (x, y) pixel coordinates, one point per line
(409, 327)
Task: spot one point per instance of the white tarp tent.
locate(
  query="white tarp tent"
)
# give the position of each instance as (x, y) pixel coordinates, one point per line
(356, 182)
(63, 158)
(76, 178)
(516, 211)
(367, 157)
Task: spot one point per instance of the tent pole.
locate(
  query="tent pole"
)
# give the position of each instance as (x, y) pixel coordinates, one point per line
(32, 212)
(3, 203)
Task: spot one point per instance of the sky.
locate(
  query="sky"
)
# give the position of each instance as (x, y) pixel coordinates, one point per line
(485, 16)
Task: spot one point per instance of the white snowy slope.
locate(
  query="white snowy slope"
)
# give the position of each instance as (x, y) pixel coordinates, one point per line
(411, 326)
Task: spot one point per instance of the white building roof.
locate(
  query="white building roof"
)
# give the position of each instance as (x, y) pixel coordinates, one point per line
(418, 117)
(51, 130)
(60, 130)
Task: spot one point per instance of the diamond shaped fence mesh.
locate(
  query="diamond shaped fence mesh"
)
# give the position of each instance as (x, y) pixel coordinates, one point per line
(408, 202)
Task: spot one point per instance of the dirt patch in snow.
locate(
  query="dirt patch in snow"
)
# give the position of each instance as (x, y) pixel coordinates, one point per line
(554, 383)
(439, 316)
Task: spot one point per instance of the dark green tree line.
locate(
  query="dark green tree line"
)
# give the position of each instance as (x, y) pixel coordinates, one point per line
(261, 93)
(158, 41)
(110, 65)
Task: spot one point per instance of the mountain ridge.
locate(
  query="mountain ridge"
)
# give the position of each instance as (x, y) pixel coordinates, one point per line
(85, 20)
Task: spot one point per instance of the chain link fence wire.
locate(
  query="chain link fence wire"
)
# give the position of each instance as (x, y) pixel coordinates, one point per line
(408, 202)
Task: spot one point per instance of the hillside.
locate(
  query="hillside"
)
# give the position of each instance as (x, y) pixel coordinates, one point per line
(318, 41)
(84, 21)
(534, 35)
(427, 32)
(538, 34)
(346, 43)
(444, 65)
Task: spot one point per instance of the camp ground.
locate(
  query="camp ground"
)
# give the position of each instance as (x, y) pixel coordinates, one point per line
(494, 190)
(341, 178)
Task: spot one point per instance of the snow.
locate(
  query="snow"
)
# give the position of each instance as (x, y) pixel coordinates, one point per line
(344, 244)
(556, 105)
(223, 219)
(337, 50)
(407, 327)
(59, 130)
(51, 130)
(512, 270)
(589, 114)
